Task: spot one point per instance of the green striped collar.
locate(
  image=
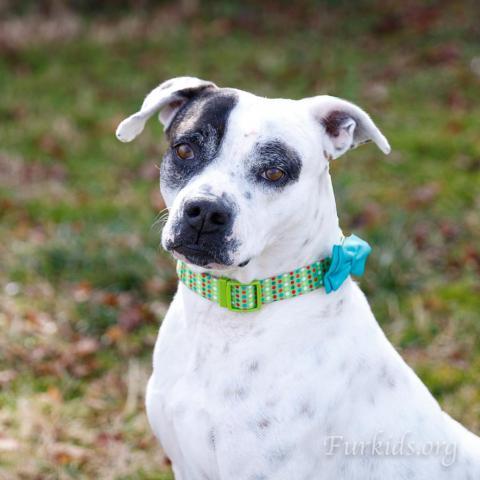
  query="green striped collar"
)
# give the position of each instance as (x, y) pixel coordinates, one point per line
(248, 297)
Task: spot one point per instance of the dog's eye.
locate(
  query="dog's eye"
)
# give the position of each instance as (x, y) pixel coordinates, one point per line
(273, 174)
(184, 151)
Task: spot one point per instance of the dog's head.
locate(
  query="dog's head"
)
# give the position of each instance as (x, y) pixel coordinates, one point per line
(242, 174)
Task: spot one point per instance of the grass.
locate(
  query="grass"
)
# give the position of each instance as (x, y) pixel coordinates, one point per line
(83, 283)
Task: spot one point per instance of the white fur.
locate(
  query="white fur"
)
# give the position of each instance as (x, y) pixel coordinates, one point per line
(285, 392)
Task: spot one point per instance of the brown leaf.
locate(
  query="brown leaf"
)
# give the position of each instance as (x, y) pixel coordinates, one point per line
(51, 146)
(82, 292)
(424, 195)
(54, 394)
(115, 333)
(443, 54)
(131, 317)
(449, 230)
(371, 215)
(7, 376)
(472, 256)
(64, 453)
(9, 445)
(421, 232)
(158, 286)
(456, 101)
(110, 299)
(86, 346)
(82, 369)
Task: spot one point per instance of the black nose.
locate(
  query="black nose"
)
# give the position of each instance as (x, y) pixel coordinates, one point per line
(207, 216)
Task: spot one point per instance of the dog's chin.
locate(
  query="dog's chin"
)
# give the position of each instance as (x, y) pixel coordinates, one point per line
(199, 258)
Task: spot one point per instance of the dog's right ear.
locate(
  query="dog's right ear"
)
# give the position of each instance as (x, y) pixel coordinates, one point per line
(345, 125)
(166, 99)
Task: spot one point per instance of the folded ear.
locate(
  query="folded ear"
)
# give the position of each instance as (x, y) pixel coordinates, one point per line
(345, 125)
(166, 99)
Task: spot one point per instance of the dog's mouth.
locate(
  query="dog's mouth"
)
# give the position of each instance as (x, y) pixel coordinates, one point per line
(201, 257)
(196, 255)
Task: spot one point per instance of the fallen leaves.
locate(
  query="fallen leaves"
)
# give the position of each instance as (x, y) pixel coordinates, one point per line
(9, 445)
(15, 171)
(132, 316)
(82, 289)
(372, 214)
(85, 347)
(411, 18)
(66, 453)
(7, 376)
(115, 333)
(424, 195)
(443, 54)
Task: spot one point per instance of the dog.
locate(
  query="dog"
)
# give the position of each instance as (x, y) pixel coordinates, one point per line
(304, 388)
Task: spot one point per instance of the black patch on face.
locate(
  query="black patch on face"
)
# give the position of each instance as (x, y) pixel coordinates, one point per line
(201, 123)
(275, 154)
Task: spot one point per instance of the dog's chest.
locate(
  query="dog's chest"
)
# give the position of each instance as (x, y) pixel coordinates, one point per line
(222, 396)
(257, 398)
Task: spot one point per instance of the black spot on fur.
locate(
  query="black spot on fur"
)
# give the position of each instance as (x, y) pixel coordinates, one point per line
(339, 307)
(212, 439)
(201, 122)
(263, 424)
(277, 456)
(253, 366)
(386, 377)
(306, 410)
(275, 154)
(236, 393)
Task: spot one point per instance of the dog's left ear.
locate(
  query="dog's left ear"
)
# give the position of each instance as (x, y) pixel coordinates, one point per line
(345, 125)
(166, 100)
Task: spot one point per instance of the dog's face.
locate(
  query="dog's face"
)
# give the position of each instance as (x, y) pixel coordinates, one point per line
(242, 171)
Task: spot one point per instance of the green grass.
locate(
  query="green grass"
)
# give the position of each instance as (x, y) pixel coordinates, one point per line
(80, 258)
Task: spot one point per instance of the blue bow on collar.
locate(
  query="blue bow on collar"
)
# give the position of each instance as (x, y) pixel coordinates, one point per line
(349, 257)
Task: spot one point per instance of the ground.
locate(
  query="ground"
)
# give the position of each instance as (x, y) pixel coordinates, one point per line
(83, 282)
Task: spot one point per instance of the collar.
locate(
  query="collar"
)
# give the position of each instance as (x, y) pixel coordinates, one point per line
(348, 257)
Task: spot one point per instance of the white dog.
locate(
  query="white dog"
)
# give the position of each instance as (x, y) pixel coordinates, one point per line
(301, 384)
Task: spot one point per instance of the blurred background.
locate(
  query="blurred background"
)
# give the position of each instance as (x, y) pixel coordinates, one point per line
(83, 282)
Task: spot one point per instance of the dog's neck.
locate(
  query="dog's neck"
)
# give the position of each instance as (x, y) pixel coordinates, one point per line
(311, 239)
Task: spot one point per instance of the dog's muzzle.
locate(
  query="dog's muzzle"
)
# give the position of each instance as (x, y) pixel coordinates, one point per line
(202, 233)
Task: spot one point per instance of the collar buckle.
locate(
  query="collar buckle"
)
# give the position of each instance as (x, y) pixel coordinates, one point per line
(225, 295)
